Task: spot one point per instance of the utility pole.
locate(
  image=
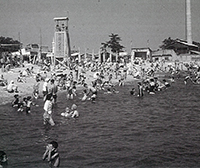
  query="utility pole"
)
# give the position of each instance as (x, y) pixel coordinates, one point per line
(40, 49)
(20, 49)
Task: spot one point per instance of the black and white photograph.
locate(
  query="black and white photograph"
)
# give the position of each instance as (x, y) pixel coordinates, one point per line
(100, 83)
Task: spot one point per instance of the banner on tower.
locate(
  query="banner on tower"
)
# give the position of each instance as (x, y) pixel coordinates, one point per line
(60, 44)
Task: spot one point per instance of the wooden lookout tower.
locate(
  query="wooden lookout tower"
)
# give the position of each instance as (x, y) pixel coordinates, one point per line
(61, 46)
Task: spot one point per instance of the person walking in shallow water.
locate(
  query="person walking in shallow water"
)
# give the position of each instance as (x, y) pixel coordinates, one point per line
(140, 90)
(47, 116)
(45, 88)
(53, 89)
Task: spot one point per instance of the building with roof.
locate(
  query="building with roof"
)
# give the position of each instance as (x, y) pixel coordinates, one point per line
(164, 55)
(178, 50)
(141, 53)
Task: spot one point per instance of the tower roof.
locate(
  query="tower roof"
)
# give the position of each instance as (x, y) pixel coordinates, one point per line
(61, 18)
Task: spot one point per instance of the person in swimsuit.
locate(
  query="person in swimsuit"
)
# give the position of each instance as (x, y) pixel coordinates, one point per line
(51, 154)
(45, 88)
(28, 104)
(74, 113)
(53, 89)
(132, 92)
(66, 113)
(16, 101)
(36, 87)
(93, 90)
(140, 90)
(3, 159)
(47, 116)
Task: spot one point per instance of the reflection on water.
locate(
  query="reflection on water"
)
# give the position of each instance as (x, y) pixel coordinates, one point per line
(118, 130)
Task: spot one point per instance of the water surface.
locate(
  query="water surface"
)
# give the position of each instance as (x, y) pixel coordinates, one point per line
(119, 130)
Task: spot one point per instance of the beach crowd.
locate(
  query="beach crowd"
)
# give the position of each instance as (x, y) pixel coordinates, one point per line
(90, 78)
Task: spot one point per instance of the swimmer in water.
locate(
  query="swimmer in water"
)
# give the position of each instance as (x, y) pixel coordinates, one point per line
(132, 92)
(28, 104)
(36, 90)
(16, 101)
(84, 93)
(88, 90)
(74, 113)
(51, 154)
(3, 159)
(166, 83)
(66, 113)
(186, 79)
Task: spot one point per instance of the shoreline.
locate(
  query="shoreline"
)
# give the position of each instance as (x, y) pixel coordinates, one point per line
(26, 89)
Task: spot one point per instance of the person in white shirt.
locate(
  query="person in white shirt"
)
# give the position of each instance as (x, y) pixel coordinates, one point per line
(47, 116)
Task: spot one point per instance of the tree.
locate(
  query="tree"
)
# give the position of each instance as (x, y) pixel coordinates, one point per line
(167, 43)
(8, 44)
(114, 44)
(104, 47)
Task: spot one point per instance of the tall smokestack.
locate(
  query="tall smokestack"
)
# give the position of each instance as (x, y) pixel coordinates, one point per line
(188, 22)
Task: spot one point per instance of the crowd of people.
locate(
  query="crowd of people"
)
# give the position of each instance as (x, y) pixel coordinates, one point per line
(103, 78)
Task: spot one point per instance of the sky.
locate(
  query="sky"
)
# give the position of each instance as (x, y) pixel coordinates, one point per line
(139, 23)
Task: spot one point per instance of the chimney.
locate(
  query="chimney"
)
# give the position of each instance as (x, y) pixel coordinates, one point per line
(188, 22)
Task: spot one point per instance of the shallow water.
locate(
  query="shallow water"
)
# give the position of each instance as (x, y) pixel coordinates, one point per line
(119, 130)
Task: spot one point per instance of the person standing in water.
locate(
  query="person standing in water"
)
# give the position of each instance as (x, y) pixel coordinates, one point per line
(45, 88)
(47, 116)
(140, 90)
(52, 155)
(53, 89)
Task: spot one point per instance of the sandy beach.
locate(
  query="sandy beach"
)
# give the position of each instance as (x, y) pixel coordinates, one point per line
(26, 89)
